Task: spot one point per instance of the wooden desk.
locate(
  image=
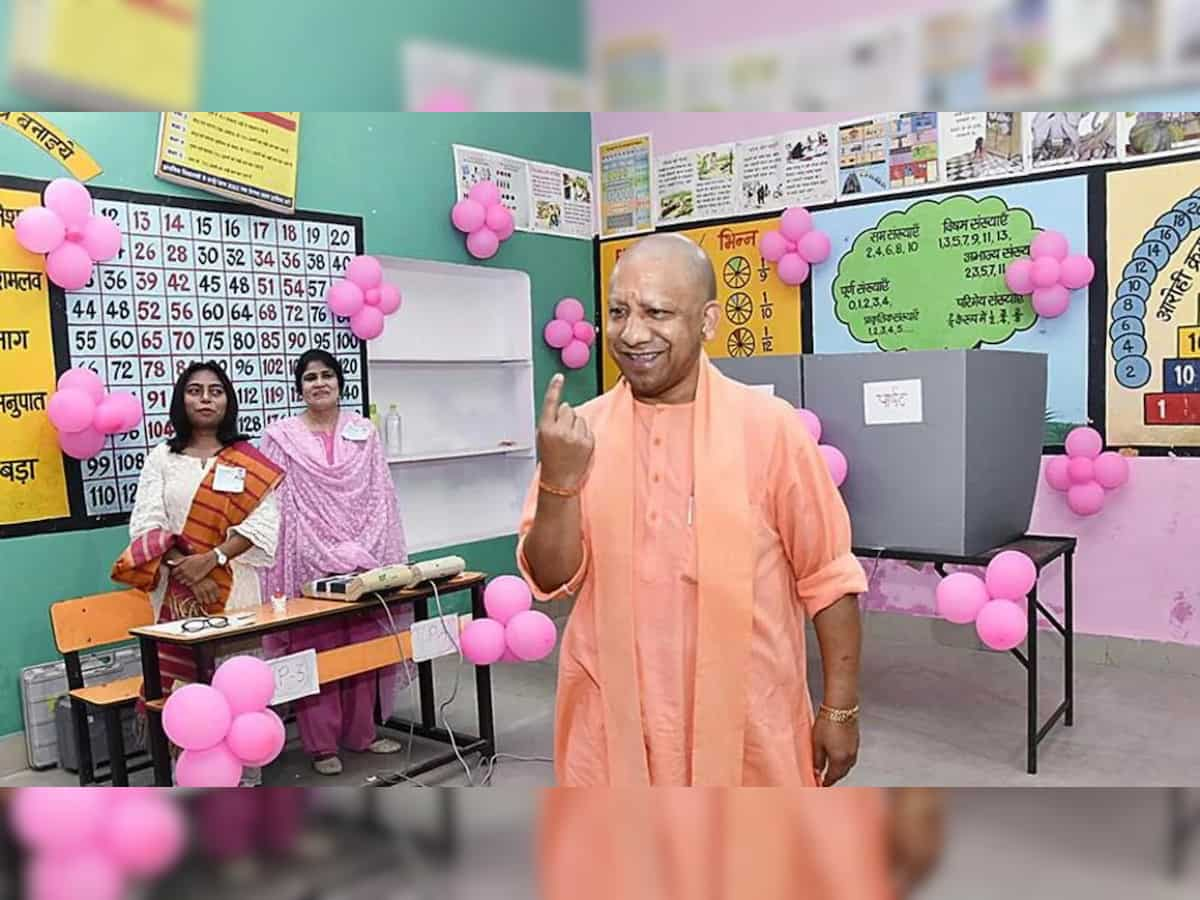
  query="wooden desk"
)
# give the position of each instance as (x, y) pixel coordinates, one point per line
(304, 610)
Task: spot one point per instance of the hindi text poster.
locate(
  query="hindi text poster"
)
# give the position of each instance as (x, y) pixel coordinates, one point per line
(625, 170)
(509, 173)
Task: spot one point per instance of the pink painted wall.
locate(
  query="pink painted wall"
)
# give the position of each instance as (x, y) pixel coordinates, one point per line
(1136, 570)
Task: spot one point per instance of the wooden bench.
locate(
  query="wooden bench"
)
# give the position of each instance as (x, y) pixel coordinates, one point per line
(92, 623)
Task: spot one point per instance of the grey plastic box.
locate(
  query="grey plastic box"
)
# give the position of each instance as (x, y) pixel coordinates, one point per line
(961, 480)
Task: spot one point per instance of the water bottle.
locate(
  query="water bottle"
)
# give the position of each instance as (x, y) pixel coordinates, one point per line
(391, 426)
(374, 417)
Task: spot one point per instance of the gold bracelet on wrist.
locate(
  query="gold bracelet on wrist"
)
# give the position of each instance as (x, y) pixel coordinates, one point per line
(559, 492)
(838, 716)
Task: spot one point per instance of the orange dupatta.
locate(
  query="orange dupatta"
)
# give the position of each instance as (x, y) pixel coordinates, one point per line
(726, 583)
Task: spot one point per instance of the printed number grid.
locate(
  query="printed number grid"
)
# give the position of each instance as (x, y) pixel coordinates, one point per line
(246, 292)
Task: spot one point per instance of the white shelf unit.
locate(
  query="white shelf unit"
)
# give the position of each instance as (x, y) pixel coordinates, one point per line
(457, 360)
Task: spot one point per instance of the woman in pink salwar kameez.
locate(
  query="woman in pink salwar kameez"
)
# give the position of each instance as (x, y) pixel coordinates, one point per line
(338, 514)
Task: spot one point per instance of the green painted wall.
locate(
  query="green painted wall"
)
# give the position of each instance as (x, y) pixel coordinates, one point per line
(395, 170)
(316, 54)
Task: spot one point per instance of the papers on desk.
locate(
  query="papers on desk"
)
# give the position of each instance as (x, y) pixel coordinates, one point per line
(176, 628)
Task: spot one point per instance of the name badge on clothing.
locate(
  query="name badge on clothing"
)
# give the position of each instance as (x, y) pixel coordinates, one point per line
(229, 479)
(356, 431)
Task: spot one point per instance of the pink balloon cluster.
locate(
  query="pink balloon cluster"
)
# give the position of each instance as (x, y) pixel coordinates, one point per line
(363, 297)
(991, 602)
(795, 247)
(84, 413)
(571, 333)
(834, 458)
(512, 631)
(94, 843)
(1050, 273)
(1085, 472)
(483, 219)
(65, 230)
(224, 726)
(446, 100)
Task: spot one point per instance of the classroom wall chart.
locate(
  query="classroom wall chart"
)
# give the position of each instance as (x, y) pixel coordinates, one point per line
(195, 280)
(760, 315)
(1153, 363)
(925, 274)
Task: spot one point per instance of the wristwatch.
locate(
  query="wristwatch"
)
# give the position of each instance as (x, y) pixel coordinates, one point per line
(222, 559)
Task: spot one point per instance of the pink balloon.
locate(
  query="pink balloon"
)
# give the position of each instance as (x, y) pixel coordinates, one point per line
(795, 223)
(255, 738)
(55, 820)
(40, 230)
(1019, 276)
(196, 717)
(482, 642)
(792, 269)
(569, 310)
(505, 596)
(372, 296)
(585, 332)
(447, 100)
(246, 682)
(389, 298)
(468, 215)
(101, 238)
(131, 409)
(1084, 441)
(1086, 499)
(836, 460)
(792, 246)
(81, 444)
(1045, 272)
(483, 244)
(812, 422)
(345, 298)
(814, 247)
(69, 266)
(576, 355)
(558, 333)
(1010, 574)
(960, 596)
(365, 271)
(530, 635)
(485, 193)
(90, 874)
(71, 411)
(367, 323)
(275, 723)
(1111, 470)
(145, 834)
(500, 220)
(82, 380)
(70, 200)
(1077, 272)
(213, 768)
(1051, 302)
(1049, 245)
(1080, 470)
(509, 656)
(773, 245)
(1001, 625)
(1058, 473)
(110, 417)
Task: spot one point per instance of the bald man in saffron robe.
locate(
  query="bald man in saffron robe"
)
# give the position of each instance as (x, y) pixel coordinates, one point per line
(696, 524)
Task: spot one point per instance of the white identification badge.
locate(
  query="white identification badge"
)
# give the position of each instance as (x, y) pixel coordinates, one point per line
(356, 431)
(229, 479)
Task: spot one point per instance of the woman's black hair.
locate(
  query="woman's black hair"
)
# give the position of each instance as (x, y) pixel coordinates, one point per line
(318, 356)
(227, 431)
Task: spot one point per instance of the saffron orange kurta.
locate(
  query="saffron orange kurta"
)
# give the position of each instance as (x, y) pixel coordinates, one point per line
(711, 529)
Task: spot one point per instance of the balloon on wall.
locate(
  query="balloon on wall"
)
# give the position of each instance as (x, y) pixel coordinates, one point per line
(484, 219)
(84, 413)
(795, 247)
(1087, 472)
(363, 297)
(570, 333)
(1049, 274)
(66, 232)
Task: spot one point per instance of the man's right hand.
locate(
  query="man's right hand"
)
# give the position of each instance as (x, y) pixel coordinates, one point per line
(564, 441)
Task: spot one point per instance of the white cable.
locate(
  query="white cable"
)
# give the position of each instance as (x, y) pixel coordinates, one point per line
(456, 640)
(412, 681)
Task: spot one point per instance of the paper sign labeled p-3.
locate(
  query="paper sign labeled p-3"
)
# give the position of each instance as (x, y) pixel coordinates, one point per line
(892, 402)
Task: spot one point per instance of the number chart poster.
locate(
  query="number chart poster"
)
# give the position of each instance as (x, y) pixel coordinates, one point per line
(194, 280)
(929, 274)
(760, 315)
(33, 483)
(1153, 363)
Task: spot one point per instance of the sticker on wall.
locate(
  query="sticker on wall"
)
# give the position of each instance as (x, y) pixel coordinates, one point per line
(54, 142)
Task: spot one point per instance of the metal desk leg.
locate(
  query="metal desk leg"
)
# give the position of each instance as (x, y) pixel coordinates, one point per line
(160, 753)
(483, 684)
(1069, 645)
(425, 672)
(1032, 675)
(116, 746)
